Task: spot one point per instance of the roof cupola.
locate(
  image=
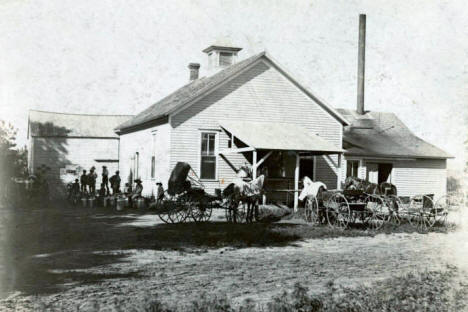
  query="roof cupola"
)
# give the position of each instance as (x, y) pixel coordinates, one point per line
(221, 56)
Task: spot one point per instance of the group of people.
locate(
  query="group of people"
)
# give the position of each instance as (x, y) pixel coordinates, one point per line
(87, 182)
(87, 185)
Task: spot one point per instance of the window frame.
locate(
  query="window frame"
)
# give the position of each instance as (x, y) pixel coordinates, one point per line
(200, 157)
(348, 161)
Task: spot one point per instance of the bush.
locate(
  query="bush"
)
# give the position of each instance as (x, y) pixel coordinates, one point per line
(208, 303)
(297, 300)
(427, 291)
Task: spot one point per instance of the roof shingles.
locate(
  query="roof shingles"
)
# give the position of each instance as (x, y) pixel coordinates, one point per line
(186, 93)
(378, 134)
(47, 124)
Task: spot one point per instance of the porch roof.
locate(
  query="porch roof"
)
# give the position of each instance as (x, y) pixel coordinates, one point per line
(278, 136)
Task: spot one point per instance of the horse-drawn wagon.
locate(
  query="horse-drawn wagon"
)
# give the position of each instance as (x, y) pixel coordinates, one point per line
(341, 208)
(375, 205)
(186, 198)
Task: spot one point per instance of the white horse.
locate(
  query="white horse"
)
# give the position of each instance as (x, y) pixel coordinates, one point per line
(311, 188)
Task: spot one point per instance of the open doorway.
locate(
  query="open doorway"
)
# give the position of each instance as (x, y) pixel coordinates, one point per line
(306, 168)
(385, 173)
(379, 172)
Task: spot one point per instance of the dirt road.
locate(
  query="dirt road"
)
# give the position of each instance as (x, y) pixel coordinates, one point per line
(257, 273)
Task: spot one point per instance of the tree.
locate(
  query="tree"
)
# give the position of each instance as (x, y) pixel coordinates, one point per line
(13, 161)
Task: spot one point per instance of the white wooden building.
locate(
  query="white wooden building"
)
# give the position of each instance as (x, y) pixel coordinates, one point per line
(65, 144)
(201, 124)
(254, 111)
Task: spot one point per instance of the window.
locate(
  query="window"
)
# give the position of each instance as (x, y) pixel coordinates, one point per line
(153, 156)
(352, 167)
(225, 59)
(208, 156)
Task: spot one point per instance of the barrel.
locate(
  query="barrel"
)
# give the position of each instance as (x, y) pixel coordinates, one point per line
(140, 203)
(91, 202)
(112, 201)
(84, 201)
(121, 203)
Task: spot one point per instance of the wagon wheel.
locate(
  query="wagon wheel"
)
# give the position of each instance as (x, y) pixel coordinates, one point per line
(338, 212)
(394, 205)
(164, 207)
(239, 213)
(377, 212)
(201, 211)
(311, 210)
(180, 210)
(440, 211)
(163, 215)
(421, 212)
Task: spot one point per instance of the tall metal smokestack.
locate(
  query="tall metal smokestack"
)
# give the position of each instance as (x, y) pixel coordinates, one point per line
(361, 63)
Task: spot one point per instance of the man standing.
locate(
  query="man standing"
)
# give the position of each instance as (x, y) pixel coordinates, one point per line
(84, 181)
(92, 176)
(105, 178)
(115, 183)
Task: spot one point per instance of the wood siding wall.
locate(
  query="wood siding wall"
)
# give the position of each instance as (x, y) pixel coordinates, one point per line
(259, 94)
(142, 142)
(411, 177)
(425, 176)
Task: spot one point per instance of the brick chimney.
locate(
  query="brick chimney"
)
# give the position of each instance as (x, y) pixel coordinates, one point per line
(194, 69)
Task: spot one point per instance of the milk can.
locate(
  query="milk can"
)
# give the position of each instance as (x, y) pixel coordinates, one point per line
(105, 201)
(112, 201)
(91, 202)
(121, 203)
(140, 203)
(84, 201)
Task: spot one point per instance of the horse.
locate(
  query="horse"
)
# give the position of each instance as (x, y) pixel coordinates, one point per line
(315, 190)
(384, 188)
(353, 183)
(247, 192)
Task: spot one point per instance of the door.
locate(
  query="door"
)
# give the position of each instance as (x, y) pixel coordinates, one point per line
(306, 168)
(385, 173)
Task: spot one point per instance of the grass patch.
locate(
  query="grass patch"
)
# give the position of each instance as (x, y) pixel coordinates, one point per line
(425, 291)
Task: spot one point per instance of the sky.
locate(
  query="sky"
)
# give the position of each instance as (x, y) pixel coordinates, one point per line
(119, 57)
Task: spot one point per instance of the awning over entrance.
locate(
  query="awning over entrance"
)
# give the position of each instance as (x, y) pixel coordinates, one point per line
(271, 137)
(278, 136)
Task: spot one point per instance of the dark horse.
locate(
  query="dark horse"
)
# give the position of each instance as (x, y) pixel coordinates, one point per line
(384, 188)
(247, 192)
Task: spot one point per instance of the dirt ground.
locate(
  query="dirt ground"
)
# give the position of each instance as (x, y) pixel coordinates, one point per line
(73, 256)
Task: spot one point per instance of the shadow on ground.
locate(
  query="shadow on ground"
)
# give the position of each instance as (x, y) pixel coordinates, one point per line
(48, 249)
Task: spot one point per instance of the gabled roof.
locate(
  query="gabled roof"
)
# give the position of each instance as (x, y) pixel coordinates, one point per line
(278, 136)
(199, 87)
(47, 124)
(378, 134)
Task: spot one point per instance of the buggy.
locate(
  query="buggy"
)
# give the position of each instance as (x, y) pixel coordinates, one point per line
(185, 197)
